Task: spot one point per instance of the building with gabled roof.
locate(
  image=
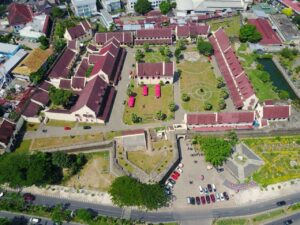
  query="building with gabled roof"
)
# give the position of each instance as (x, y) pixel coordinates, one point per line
(157, 36)
(81, 32)
(19, 15)
(124, 37)
(192, 31)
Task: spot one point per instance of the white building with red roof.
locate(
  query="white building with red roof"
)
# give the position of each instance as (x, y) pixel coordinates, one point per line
(238, 84)
(19, 15)
(123, 37)
(155, 73)
(157, 36)
(192, 31)
(81, 32)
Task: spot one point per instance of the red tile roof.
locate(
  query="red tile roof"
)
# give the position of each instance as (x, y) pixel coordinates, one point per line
(154, 33)
(41, 96)
(81, 71)
(192, 30)
(72, 44)
(19, 14)
(155, 69)
(76, 32)
(31, 110)
(65, 84)
(202, 119)
(235, 117)
(45, 85)
(78, 82)
(125, 38)
(6, 131)
(276, 112)
(269, 36)
(86, 25)
(269, 102)
(62, 66)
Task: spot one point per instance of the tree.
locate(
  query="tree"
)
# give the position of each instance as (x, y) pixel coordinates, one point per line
(180, 44)
(208, 106)
(216, 150)
(57, 12)
(129, 92)
(84, 215)
(135, 118)
(59, 96)
(220, 83)
(185, 97)
(167, 51)
(165, 7)
(222, 104)
(142, 6)
(160, 115)
(59, 214)
(146, 47)
(177, 54)
(260, 66)
(249, 33)
(264, 76)
(205, 47)
(296, 19)
(283, 95)
(59, 45)
(287, 11)
(172, 107)
(289, 53)
(44, 42)
(232, 137)
(139, 55)
(127, 191)
(4, 221)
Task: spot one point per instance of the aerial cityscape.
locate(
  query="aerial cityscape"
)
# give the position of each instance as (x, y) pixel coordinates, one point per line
(144, 112)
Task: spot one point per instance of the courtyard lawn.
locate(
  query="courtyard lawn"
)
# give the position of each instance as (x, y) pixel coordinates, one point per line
(281, 156)
(153, 56)
(146, 107)
(97, 167)
(231, 25)
(199, 82)
(61, 123)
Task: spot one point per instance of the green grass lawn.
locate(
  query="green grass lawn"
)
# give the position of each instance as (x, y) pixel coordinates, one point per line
(24, 146)
(267, 216)
(238, 221)
(231, 25)
(277, 153)
(146, 107)
(199, 82)
(153, 56)
(61, 123)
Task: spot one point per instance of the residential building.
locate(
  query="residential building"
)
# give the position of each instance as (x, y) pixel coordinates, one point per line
(155, 73)
(8, 134)
(84, 8)
(192, 31)
(81, 32)
(106, 18)
(238, 84)
(186, 7)
(158, 36)
(131, 3)
(19, 15)
(125, 38)
(111, 5)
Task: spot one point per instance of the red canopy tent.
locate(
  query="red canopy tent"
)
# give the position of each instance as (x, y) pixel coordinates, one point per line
(157, 91)
(145, 90)
(131, 101)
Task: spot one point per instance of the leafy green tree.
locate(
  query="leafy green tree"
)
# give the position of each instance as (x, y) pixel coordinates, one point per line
(44, 42)
(249, 33)
(222, 104)
(146, 47)
(165, 7)
(84, 215)
(287, 11)
(59, 214)
(57, 12)
(139, 55)
(59, 45)
(4, 221)
(160, 115)
(260, 66)
(205, 47)
(142, 6)
(283, 95)
(127, 191)
(221, 82)
(208, 106)
(185, 97)
(6, 38)
(129, 92)
(59, 96)
(181, 44)
(296, 19)
(172, 107)
(177, 54)
(135, 118)
(289, 53)
(264, 76)
(232, 137)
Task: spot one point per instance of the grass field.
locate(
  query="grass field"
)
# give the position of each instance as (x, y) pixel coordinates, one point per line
(122, 162)
(231, 25)
(153, 56)
(146, 107)
(97, 167)
(238, 221)
(199, 82)
(270, 215)
(24, 146)
(277, 153)
(61, 123)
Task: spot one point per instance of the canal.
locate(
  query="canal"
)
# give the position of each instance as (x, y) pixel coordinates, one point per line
(276, 77)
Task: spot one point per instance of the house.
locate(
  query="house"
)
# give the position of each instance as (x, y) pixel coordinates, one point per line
(131, 3)
(238, 84)
(39, 26)
(32, 63)
(84, 8)
(187, 7)
(291, 4)
(125, 38)
(159, 36)
(81, 32)
(93, 105)
(19, 15)
(111, 5)
(109, 62)
(31, 112)
(192, 31)
(219, 121)
(155, 73)
(8, 134)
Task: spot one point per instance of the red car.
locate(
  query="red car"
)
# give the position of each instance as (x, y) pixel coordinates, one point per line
(198, 200)
(203, 200)
(28, 197)
(174, 177)
(67, 128)
(212, 197)
(177, 174)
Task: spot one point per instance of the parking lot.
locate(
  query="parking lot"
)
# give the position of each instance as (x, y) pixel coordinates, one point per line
(187, 184)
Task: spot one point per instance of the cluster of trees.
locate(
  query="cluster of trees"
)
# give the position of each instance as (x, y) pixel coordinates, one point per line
(43, 40)
(135, 118)
(22, 169)
(216, 150)
(38, 76)
(180, 46)
(139, 55)
(57, 12)
(6, 38)
(60, 96)
(289, 53)
(142, 6)
(166, 6)
(205, 47)
(165, 52)
(127, 191)
(249, 33)
(62, 25)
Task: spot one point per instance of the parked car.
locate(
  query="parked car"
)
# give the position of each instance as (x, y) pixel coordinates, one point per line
(44, 130)
(34, 220)
(179, 170)
(168, 191)
(206, 190)
(226, 196)
(87, 127)
(176, 173)
(174, 177)
(201, 190)
(28, 197)
(222, 197)
(203, 200)
(172, 181)
(67, 128)
(198, 201)
(287, 222)
(188, 200)
(214, 188)
(1, 194)
(220, 169)
(218, 197)
(212, 197)
(281, 203)
(192, 200)
(209, 187)
(169, 184)
(207, 199)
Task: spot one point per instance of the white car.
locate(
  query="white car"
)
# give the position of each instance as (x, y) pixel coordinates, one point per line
(170, 185)
(214, 188)
(180, 165)
(218, 197)
(201, 189)
(34, 220)
(1, 194)
(179, 170)
(222, 197)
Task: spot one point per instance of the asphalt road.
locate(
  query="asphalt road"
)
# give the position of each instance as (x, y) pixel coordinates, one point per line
(295, 219)
(168, 216)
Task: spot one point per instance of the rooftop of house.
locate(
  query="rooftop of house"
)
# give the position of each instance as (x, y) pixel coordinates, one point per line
(122, 37)
(31, 110)
(276, 112)
(6, 131)
(19, 14)
(157, 33)
(155, 69)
